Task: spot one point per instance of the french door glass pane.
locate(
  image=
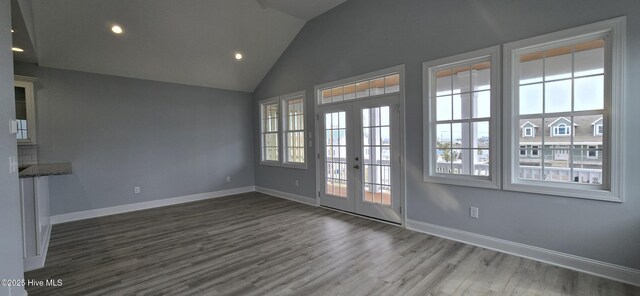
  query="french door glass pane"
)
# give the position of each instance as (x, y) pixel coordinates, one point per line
(376, 141)
(336, 160)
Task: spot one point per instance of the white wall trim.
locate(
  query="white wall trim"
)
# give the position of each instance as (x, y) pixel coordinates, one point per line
(430, 122)
(581, 264)
(614, 33)
(287, 195)
(36, 262)
(75, 216)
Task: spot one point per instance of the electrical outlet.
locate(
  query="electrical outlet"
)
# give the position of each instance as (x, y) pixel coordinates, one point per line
(473, 212)
(228, 179)
(136, 190)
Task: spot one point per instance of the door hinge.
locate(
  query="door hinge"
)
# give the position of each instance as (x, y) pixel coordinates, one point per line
(317, 116)
(398, 107)
(318, 193)
(318, 155)
(400, 209)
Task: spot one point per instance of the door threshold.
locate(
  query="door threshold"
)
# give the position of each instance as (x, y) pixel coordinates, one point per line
(362, 216)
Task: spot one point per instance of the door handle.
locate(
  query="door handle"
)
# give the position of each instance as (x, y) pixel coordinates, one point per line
(356, 166)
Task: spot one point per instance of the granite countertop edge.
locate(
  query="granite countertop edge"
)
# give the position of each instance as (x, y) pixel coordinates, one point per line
(46, 169)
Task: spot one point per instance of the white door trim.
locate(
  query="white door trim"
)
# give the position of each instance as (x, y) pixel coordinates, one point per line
(403, 147)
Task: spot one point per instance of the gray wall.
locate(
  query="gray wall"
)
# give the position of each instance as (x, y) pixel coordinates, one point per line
(172, 140)
(10, 225)
(366, 35)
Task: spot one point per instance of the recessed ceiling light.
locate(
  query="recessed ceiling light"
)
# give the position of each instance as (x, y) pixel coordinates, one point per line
(116, 29)
(12, 31)
(17, 49)
(238, 56)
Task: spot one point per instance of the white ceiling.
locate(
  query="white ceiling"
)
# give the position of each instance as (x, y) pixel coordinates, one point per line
(188, 41)
(302, 9)
(21, 37)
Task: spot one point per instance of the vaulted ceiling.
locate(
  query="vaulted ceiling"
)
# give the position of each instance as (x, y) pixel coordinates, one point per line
(189, 41)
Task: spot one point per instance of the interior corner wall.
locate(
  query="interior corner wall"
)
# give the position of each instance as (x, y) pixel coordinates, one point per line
(11, 266)
(362, 36)
(172, 140)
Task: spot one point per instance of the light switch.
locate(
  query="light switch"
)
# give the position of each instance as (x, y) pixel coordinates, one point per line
(13, 165)
(13, 126)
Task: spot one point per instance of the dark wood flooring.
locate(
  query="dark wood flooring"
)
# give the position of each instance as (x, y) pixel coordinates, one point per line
(255, 244)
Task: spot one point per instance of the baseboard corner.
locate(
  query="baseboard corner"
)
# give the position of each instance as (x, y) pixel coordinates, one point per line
(287, 195)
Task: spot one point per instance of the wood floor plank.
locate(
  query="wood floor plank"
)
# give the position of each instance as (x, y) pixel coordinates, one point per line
(255, 244)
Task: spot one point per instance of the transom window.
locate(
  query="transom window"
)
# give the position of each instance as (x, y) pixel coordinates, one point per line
(569, 83)
(462, 95)
(387, 84)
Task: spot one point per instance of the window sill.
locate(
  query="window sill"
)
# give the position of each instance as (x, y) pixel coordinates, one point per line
(564, 190)
(298, 166)
(271, 163)
(284, 165)
(463, 180)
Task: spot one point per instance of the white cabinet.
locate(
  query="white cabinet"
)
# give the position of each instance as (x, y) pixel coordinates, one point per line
(36, 225)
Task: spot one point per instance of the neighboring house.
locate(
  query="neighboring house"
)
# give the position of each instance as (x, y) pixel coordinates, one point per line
(570, 150)
(528, 129)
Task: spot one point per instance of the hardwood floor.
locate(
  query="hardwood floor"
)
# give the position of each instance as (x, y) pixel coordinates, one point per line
(255, 244)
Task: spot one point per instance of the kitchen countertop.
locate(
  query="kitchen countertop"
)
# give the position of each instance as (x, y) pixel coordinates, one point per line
(46, 169)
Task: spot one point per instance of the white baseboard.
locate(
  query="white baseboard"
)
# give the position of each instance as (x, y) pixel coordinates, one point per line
(35, 262)
(75, 216)
(581, 264)
(287, 195)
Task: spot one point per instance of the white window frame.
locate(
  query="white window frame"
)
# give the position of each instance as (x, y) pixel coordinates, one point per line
(262, 104)
(523, 150)
(597, 131)
(555, 130)
(530, 130)
(27, 83)
(596, 127)
(284, 130)
(535, 150)
(364, 78)
(594, 150)
(614, 31)
(429, 116)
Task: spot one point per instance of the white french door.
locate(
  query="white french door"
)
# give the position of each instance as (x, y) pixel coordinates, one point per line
(360, 157)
